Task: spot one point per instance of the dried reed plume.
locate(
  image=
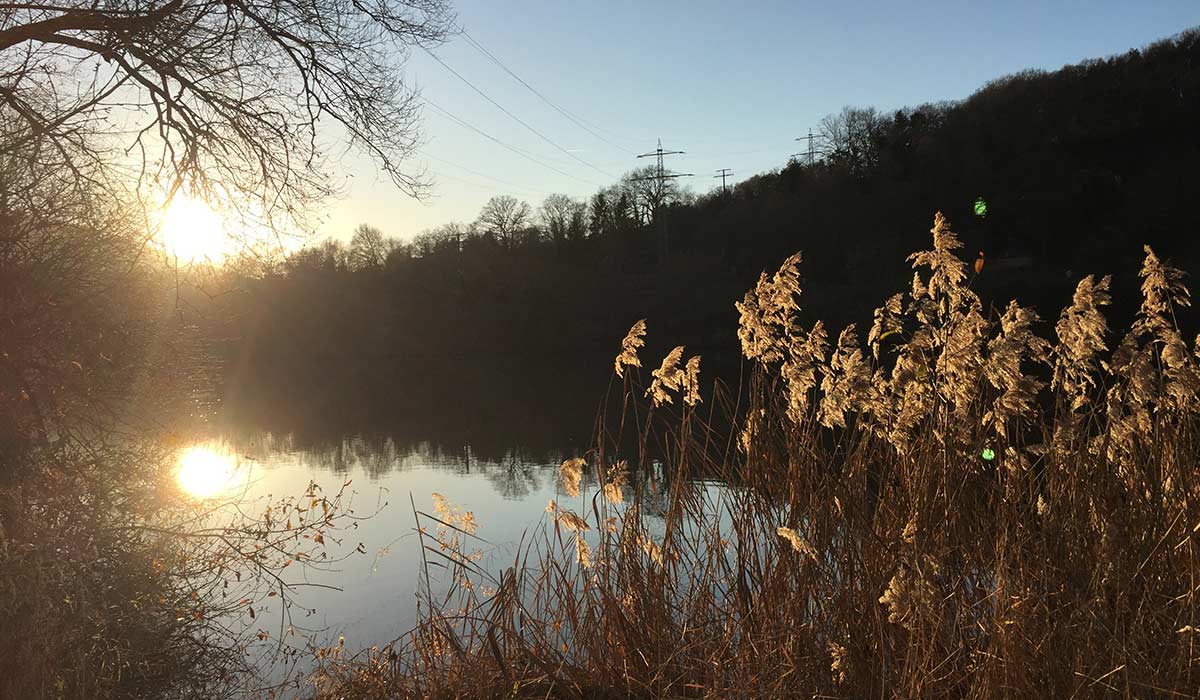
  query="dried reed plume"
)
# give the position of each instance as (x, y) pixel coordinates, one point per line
(691, 381)
(571, 473)
(798, 543)
(614, 483)
(1081, 330)
(634, 339)
(667, 378)
(583, 552)
(568, 519)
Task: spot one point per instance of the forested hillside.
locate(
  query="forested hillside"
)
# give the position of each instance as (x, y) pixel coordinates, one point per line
(1051, 175)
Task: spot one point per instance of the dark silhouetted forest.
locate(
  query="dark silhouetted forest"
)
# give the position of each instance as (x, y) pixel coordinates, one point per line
(510, 321)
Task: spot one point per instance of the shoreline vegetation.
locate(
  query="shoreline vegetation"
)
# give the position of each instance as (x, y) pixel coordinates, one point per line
(962, 506)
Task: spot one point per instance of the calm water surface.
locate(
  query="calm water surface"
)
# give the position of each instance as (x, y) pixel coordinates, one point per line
(376, 602)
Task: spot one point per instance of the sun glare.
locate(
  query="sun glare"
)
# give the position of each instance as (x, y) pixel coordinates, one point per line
(192, 231)
(206, 471)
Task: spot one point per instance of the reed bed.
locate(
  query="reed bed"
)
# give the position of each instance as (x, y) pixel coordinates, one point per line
(958, 504)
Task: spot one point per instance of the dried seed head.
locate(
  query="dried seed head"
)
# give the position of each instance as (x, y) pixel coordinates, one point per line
(887, 322)
(691, 381)
(667, 378)
(652, 550)
(799, 544)
(839, 662)
(768, 313)
(848, 384)
(614, 484)
(634, 339)
(947, 272)
(1081, 329)
(582, 551)
(571, 521)
(910, 595)
(1015, 345)
(961, 359)
(571, 474)
(805, 357)
(1162, 286)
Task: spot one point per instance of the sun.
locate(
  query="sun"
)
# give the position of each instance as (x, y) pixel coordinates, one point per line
(191, 231)
(208, 470)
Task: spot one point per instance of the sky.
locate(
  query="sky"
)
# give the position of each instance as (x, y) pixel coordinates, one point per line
(731, 84)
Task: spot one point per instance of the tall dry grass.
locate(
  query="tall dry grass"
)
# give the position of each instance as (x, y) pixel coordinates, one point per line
(961, 507)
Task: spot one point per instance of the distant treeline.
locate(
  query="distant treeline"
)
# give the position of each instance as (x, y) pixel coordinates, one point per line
(1050, 174)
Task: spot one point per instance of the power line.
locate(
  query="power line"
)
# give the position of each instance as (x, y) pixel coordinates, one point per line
(577, 121)
(511, 185)
(514, 149)
(759, 168)
(481, 185)
(514, 117)
(749, 152)
(661, 175)
(812, 152)
(521, 152)
(723, 173)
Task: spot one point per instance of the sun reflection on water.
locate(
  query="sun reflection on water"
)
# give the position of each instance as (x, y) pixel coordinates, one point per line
(209, 470)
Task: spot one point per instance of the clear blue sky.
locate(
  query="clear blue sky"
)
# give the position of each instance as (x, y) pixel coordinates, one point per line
(732, 84)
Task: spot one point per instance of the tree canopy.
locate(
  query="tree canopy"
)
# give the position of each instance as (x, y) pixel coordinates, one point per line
(237, 101)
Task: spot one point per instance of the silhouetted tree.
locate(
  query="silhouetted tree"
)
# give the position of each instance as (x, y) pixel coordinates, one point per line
(555, 216)
(849, 137)
(368, 248)
(563, 218)
(503, 218)
(600, 215)
(647, 193)
(444, 239)
(329, 256)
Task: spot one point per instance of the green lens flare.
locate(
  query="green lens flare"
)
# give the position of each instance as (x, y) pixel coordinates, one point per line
(980, 207)
(988, 454)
